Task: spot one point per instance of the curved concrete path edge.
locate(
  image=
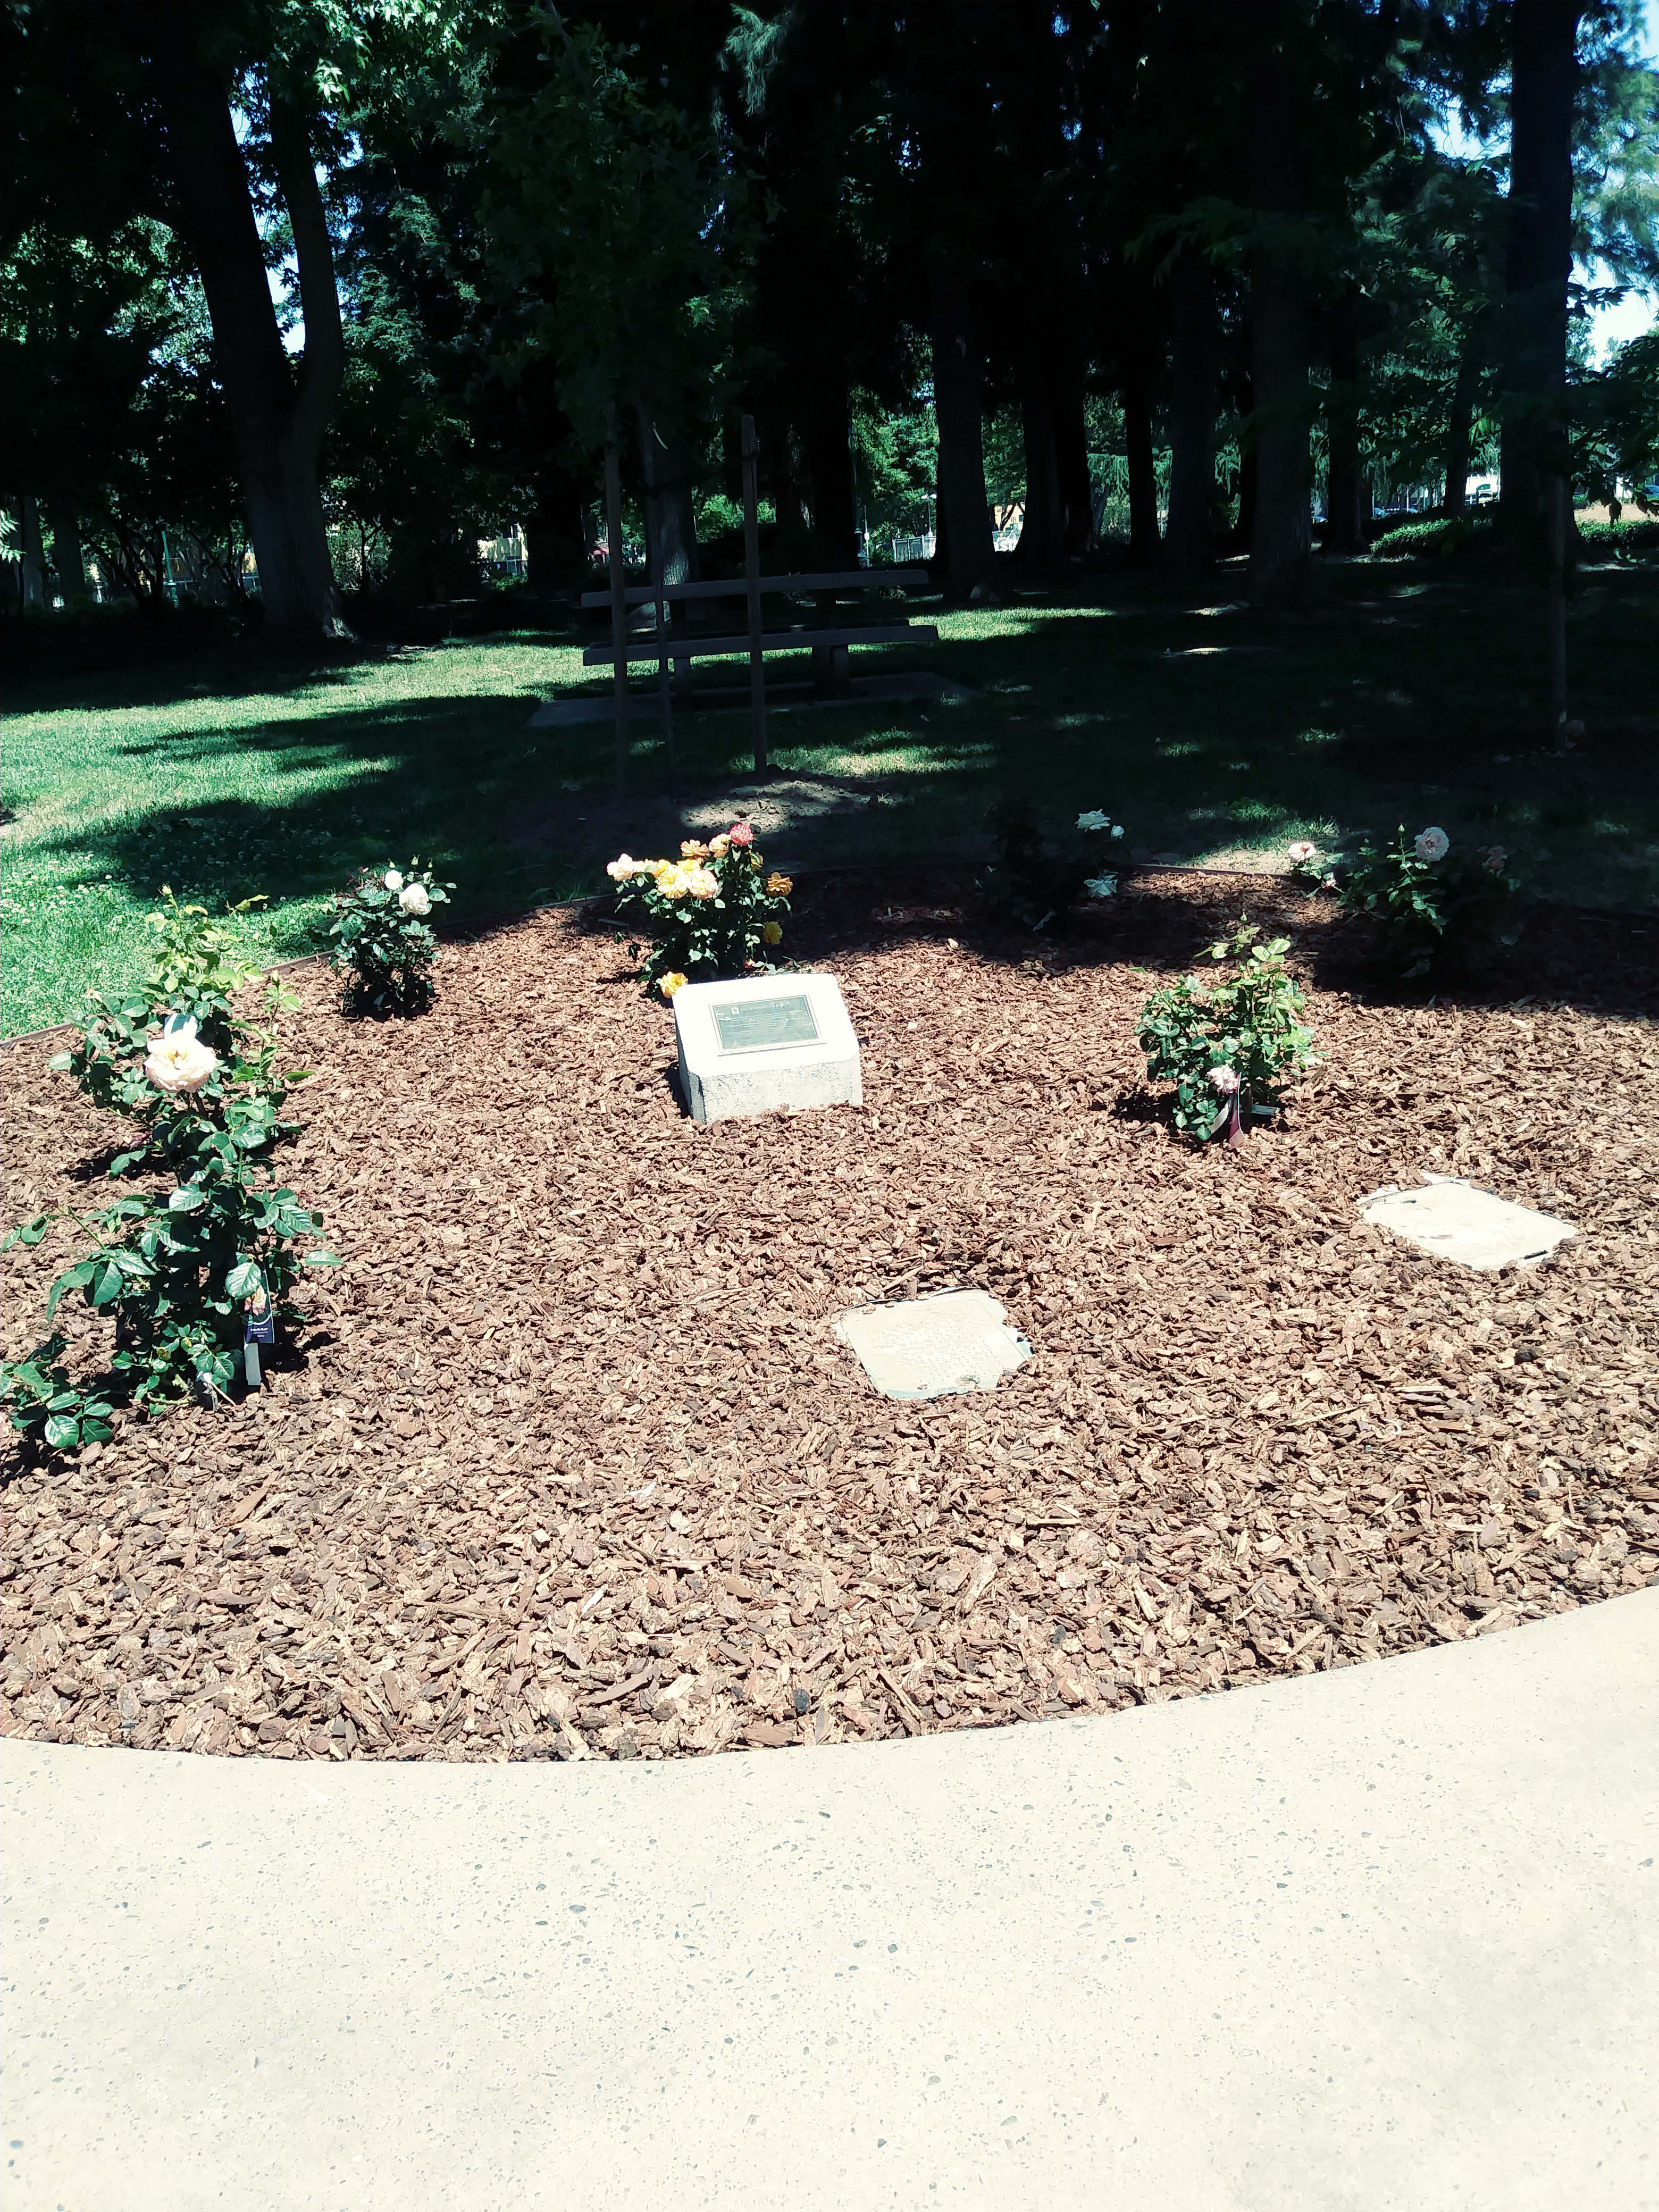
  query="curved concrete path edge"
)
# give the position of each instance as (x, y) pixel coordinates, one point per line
(1386, 1937)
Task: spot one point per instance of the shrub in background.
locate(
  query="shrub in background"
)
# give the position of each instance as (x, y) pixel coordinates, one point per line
(175, 1263)
(1442, 534)
(713, 912)
(383, 941)
(1228, 1044)
(1030, 884)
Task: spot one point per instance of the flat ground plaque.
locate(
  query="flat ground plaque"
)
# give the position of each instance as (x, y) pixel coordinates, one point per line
(931, 1347)
(1456, 1221)
(763, 1043)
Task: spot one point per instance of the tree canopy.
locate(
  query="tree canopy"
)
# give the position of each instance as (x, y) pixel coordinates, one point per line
(301, 299)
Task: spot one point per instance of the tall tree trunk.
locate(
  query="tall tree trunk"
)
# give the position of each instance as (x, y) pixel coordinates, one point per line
(1042, 534)
(1460, 425)
(1069, 409)
(777, 474)
(32, 571)
(669, 477)
(826, 424)
(557, 531)
(1343, 533)
(964, 524)
(1189, 541)
(1138, 387)
(1281, 534)
(66, 555)
(1544, 88)
(278, 418)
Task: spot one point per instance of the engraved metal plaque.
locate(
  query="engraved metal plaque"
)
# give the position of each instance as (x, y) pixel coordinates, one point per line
(762, 1024)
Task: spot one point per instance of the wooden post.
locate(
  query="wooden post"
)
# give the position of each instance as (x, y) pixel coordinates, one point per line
(618, 601)
(752, 578)
(1555, 492)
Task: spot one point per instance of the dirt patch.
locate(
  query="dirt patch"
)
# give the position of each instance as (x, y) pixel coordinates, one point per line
(570, 1462)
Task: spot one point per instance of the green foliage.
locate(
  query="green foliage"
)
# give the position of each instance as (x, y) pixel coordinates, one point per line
(896, 463)
(1030, 884)
(713, 912)
(604, 214)
(1228, 1044)
(175, 1264)
(1434, 909)
(1633, 538)
(1412, 540)
(42, 1404)
(383, 941)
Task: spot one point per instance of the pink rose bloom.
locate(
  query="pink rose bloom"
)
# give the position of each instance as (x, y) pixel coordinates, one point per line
(741, 834)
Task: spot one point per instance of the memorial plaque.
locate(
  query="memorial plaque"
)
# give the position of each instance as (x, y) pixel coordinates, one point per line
(932, 1347)
(1456, 1220)
(765, 1044)
(762, 1024)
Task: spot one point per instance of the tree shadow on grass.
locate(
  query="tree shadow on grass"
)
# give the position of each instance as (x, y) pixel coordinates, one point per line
(1377, 706)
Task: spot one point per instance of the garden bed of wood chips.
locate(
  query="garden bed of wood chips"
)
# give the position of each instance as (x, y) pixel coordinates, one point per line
(570, 1462)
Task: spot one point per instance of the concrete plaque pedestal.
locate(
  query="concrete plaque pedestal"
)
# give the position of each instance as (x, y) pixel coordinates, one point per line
(763, 1043)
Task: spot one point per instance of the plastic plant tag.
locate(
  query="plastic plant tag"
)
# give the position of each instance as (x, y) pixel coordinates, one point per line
(258, 1327)
(260, 1318)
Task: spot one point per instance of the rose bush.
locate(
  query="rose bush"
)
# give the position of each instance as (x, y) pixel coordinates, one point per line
(1228, 1045)
(1030, 884)
(383, 941)
(175, 1261)
(1434, 908)
(713, 912)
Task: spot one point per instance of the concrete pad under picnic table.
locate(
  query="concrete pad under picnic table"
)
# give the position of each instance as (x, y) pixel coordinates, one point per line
(1385, 1939)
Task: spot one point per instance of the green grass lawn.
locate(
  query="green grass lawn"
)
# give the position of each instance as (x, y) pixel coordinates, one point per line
(1407, 693)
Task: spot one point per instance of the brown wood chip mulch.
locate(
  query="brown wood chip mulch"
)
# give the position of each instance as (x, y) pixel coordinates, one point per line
(572, 1464)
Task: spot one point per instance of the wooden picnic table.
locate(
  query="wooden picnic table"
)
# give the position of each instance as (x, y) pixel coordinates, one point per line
(827, 642)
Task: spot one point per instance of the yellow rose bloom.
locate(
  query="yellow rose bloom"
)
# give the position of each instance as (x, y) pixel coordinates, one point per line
(692, 849)
(703, 883)
(755, 862)
(673, 883)
(719, 848)
(780, 886)
(669, 984)
(772, 934)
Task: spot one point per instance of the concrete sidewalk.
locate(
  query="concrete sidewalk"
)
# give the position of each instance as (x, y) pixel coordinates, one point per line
(1387, 1937)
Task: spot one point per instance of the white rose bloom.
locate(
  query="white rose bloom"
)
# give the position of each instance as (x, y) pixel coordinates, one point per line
(1101, 886)
(1303, 849)
(177, 1060)
(1094, 819)
(392, 880)
(1117, 829)
(1432, 844)
(623, 866)
(413, 899)
(1224, 1080)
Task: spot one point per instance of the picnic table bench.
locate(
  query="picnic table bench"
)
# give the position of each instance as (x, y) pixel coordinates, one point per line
(827, 641)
